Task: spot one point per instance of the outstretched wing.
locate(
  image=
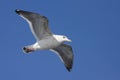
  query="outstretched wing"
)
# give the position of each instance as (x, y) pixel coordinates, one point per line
(66, 54)
(38, 23)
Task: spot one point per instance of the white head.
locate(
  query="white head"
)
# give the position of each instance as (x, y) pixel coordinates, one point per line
(62, 38)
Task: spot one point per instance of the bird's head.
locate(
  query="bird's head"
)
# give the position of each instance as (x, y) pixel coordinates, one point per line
(65, 39)
(61, 38)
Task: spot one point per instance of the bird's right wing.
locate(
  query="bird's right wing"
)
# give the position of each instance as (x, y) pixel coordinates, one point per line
(38, 23)
(65, 52)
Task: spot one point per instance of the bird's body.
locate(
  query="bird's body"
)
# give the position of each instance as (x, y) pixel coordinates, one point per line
(45, 39)
(48, 42)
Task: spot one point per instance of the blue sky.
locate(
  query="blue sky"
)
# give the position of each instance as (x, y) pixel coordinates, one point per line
(93, 26)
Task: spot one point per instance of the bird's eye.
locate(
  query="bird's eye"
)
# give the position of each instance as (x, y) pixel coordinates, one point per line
(63, 36)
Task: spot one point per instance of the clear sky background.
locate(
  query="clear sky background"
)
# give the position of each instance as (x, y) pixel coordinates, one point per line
(93, 26)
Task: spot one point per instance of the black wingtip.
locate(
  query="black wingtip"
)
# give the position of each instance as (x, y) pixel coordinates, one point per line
(17, 11)
(69, 69)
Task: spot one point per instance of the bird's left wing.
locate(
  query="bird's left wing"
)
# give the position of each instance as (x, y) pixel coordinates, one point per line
(65, 52)
(38, 23)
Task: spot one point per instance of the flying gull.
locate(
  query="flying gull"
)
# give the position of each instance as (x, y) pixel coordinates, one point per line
(45, 39)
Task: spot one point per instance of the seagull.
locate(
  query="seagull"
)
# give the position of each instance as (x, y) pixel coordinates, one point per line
(45, 39)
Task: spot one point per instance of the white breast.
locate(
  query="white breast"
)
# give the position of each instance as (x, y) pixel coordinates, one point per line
(48, 43)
